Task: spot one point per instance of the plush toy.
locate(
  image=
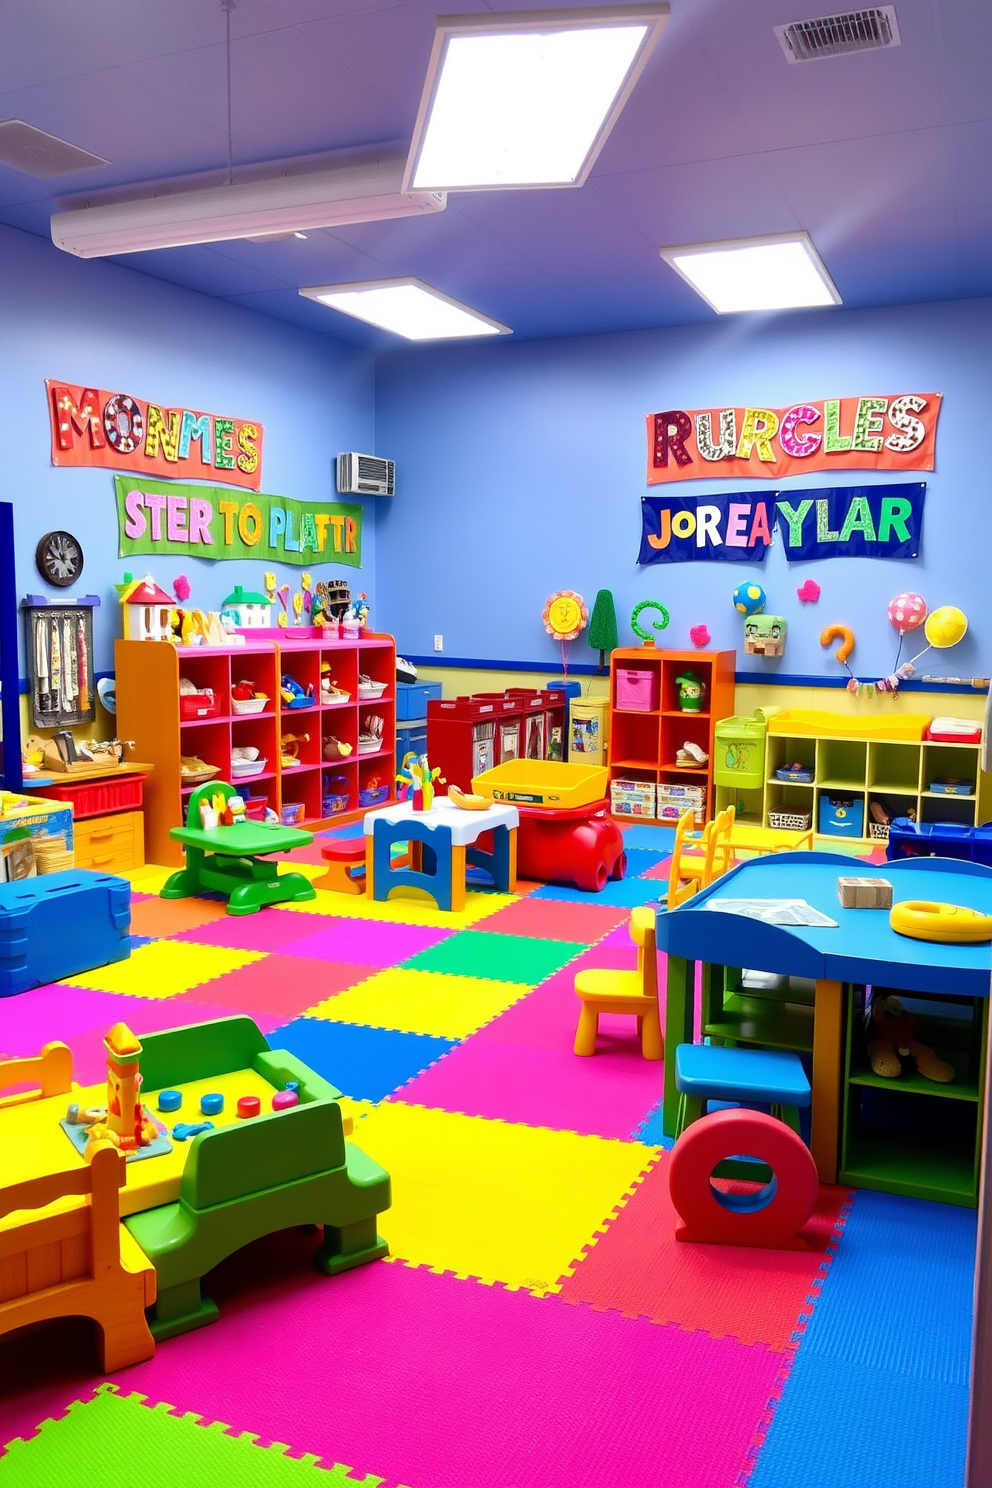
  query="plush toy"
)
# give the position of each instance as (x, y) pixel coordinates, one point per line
(895, 1039)
(335, 749)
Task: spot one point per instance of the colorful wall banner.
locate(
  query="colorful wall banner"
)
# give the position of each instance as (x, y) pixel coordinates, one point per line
(707, 529)
(891, 433)
(852, 522)
(835, 522)
(114, 431)
(156, 517)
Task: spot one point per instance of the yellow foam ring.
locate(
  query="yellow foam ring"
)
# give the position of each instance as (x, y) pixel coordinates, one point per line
(421, 1002)
(948, 924)
(494, 1200)
(164, 968)
(406, 907)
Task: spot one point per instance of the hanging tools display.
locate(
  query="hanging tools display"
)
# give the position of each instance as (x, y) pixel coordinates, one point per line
(60, 659)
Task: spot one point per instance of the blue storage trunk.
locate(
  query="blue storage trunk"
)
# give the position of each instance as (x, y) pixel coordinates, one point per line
(59, 925)
(909, 839)
(411, 736)
(841, 816)
(412, 698)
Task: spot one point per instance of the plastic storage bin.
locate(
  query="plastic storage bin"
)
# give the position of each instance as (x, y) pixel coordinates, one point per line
(97, 797)
(841, 816)
(411, 737)
(809, 723)
(909, 839)
(587, 730)
(739, 752)
(532, 782)
(637, 691)
(204, 704)
(412, 698)
(61, 925)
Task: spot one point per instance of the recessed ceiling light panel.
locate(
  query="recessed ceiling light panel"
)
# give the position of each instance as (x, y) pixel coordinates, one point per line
(781, 272)
(407, 307)
(527, 98)
(39, 154)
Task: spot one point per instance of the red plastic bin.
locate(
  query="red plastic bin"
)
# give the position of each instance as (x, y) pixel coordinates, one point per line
(204, 704)
(97, 797)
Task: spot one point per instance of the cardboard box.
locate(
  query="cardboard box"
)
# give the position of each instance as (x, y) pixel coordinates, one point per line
(632, 798)
(674, 800)
(864, 893)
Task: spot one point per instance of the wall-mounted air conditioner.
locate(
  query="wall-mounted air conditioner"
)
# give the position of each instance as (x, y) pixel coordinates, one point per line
(366, 475)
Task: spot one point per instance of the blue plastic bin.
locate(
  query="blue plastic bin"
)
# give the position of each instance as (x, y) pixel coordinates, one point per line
(908, 839)
(412, 698)
(412, 735)
(59, 925)
(841, 815)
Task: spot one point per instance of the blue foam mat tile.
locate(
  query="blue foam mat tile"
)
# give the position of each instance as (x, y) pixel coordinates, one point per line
(920, 1324)
(640, 859)
(624, 894)
(655, 839)
(856, 1426)
(649, 1130)
(140, 940)
(365, 1063)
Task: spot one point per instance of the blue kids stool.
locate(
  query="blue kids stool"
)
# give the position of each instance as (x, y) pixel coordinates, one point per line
(744, 1077)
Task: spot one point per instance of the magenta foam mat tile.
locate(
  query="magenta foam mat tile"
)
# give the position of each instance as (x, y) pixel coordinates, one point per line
(369, 942)
(282, 986)
(269, 930)
(145, 1015)
(450, 1384)
(606, 1095)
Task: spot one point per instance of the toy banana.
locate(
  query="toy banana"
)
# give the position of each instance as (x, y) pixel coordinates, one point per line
(840, 633)
(467, 802)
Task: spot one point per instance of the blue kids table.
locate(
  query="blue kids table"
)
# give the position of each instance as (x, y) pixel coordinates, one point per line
(862, 949)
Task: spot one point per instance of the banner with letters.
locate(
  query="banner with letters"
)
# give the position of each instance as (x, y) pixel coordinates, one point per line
(883, 521)
(896, 432)
(115, 431)
(156, 517)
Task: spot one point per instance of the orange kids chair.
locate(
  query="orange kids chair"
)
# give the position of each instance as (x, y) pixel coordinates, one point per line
(708, 855)
(634, 992)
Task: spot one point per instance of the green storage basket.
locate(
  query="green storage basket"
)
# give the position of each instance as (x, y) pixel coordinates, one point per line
(739, 753)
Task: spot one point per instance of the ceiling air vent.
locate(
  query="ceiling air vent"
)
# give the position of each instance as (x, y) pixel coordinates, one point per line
(39, 154)
(836, 35)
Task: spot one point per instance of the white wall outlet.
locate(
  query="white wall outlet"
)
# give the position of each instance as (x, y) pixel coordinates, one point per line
(438, 643)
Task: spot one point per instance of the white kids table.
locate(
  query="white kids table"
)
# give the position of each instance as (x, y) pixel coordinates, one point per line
(442, 841)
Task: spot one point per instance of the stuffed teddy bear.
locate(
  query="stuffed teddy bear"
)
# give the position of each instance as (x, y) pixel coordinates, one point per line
(895, 1039)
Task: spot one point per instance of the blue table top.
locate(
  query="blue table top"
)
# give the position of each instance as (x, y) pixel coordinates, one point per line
(863, 947)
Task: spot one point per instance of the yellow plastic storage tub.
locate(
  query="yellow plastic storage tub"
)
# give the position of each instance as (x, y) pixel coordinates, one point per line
(544, 783)
(808, 723)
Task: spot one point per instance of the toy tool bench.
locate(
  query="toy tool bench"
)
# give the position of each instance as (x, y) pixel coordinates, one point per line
(271, 1154)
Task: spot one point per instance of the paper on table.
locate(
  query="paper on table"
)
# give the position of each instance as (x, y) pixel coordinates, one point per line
(774, 911)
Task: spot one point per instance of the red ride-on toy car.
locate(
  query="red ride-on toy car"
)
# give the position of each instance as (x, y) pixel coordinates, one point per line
(583, 847)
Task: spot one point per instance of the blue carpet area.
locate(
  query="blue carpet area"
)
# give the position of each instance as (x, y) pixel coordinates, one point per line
(639, 859)
(655, 839)
(624, 894)
(365, 1063)
(866, 1373)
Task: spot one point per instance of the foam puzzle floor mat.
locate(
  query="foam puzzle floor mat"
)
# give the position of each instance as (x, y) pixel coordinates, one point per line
(536, 1324)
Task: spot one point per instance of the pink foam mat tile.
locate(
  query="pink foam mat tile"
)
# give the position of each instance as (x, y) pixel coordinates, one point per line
(546, 1018)
(452, 1384)
(603, 1096)
(369, 942)
(659, 870)
(49, 1013)
(269, 930)
(145, 1015)
(282, 986)
(550, 919)
(755, 1296)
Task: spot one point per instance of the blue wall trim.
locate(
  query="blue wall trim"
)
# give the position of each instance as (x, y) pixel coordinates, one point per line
(755, 679)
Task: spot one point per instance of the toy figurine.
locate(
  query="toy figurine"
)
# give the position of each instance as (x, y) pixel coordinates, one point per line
(692, 692)
(416, 781)
(765, 635)
(127, 1124)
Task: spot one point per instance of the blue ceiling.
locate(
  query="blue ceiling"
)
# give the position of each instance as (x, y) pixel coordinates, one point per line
(882, 157)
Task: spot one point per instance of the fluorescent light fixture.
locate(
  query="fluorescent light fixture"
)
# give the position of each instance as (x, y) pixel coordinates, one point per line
(526, 98)
(292, 203)
(781, 272)
(408, 307)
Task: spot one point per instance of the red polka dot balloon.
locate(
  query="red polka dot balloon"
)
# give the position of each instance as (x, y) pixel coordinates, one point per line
(907, 612)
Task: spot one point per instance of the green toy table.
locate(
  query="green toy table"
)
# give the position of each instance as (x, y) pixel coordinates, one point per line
(862, 950)
(228, 860)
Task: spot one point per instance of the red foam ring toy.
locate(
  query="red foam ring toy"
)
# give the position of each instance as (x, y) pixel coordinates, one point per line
(769, 1219)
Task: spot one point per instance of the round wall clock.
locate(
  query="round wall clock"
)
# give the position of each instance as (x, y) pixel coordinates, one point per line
(59, 558)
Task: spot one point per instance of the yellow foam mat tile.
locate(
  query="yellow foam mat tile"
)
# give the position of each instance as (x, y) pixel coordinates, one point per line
(150, 879)
(494, 1200)
(164, 968)
(308, 870)
(421, 1002)
(406, 907)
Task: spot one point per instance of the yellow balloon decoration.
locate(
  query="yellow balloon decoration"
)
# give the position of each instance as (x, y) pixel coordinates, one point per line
(945, 626)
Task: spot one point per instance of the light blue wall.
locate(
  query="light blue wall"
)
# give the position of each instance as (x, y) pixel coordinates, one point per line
(103, 326)
(520, 470)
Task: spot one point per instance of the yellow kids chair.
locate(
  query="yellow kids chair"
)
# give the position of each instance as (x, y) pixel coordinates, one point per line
(710, 855)
(634, 992)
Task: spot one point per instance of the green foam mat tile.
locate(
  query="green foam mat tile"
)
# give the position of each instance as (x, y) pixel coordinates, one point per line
(501, 958)
(113, 1438)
